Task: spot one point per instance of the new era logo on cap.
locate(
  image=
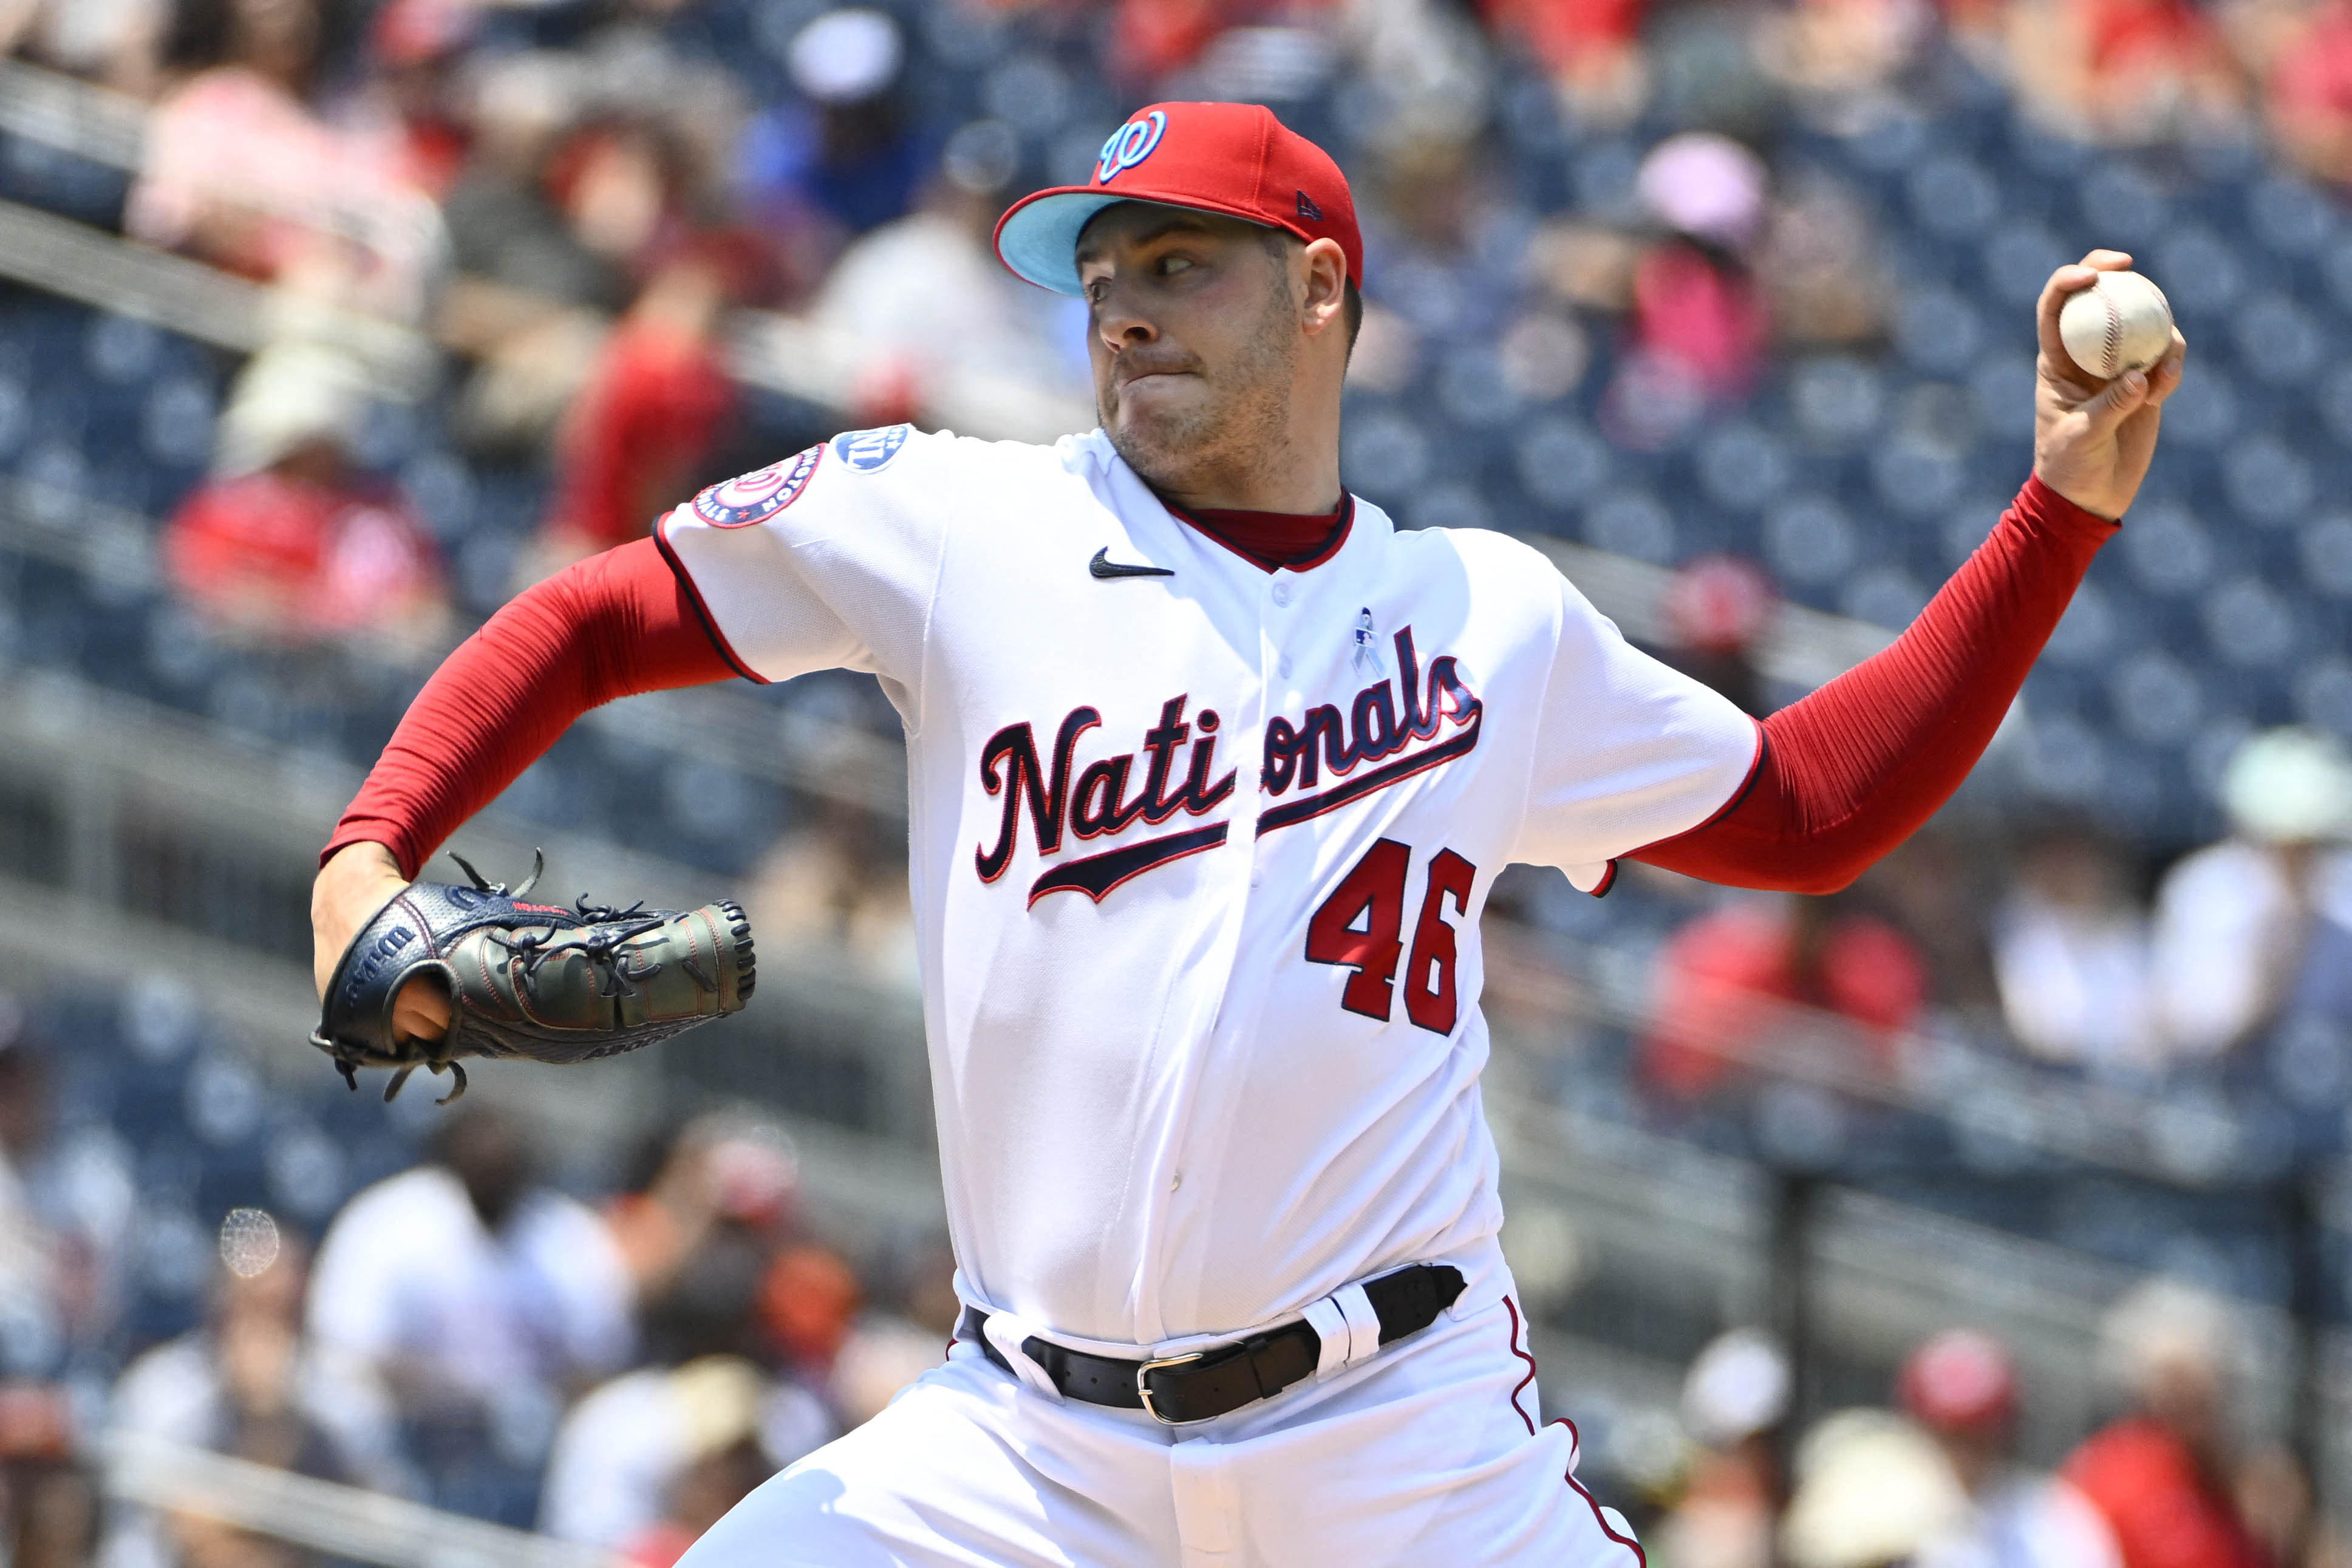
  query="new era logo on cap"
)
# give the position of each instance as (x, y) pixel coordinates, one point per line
(1232, 158)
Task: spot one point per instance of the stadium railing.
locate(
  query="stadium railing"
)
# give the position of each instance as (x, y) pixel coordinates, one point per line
(346, 1524)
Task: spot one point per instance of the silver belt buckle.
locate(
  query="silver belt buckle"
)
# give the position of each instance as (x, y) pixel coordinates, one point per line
(1143, 1372)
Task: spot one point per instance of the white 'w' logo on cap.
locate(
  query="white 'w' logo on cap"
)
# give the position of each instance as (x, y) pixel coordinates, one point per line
(1128, 145)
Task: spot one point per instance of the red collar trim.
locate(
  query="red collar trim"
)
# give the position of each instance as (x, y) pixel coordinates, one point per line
(1342, 529)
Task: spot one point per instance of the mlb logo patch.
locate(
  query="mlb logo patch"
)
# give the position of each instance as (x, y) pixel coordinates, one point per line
(759, 495)
(870, 451)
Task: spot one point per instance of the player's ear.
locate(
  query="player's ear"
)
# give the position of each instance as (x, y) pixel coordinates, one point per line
(1325, 304)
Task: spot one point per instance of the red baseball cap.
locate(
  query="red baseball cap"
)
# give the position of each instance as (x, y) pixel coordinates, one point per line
(1232, 158)
(1960, 1381)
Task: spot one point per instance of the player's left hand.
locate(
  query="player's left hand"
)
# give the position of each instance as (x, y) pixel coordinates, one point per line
(2092, 438)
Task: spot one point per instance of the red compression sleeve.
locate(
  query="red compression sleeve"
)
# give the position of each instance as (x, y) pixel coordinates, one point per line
(1852, 770)
(608, 626)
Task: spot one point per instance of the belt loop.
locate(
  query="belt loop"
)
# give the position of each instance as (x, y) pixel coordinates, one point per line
(1006, 1333)
(1363, 1323)
(1331, 1326)
(1348, 1328)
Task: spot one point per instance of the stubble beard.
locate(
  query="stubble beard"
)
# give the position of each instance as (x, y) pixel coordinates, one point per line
(1228, 440)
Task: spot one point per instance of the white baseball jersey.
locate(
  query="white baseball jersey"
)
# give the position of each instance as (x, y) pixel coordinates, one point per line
(1199, 857)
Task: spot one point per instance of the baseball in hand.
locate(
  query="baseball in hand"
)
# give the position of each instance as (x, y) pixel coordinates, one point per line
(2120, 322)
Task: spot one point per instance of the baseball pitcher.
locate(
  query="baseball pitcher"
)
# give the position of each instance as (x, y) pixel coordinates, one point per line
(1211, 768)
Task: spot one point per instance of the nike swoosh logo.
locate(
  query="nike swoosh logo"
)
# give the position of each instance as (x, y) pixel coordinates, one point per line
(1102, 565)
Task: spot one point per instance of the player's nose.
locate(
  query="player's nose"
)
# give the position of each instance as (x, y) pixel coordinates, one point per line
(1121, 322)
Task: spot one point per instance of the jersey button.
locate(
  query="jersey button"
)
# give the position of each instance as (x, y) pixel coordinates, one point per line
(1283, 668)
(1281, 593)
(1175, 1181)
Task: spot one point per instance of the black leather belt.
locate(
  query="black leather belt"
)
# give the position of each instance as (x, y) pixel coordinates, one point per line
(1204, 1384)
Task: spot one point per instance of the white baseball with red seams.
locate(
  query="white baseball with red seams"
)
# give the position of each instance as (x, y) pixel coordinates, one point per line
(1198, 861)
(2122, 321)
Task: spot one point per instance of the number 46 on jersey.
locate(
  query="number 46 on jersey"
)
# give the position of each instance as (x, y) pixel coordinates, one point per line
(1362, 927)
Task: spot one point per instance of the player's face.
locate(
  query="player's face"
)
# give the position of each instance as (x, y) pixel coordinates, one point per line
(1196, 340)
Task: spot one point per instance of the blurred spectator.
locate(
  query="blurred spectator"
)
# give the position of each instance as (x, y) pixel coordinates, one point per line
(68, 1213)
(461, 1304)
(942, 330)
(808, 1301)
(240, 170)
(693, 1178)
(1728, 985)
(536, 277)
(2070, 948)
(2164, 1475)
(1699, 328)
(1871, 1492)
(1426, 204)
(1819, 267)
(721, 1406)
(1717, 609)
(624, 187)
(2307, 91)
(648, 1461)
(843, 160)
(1149, 38)
(885, 1351)
(31, 1263)
(1428, 69)
(2302, 54)
(418, 47)
(591, 191)
(1961, 1387)
(47, 1504)
(506, 225)
(1734, 1400)
(554, 236)
(1817, 277)
(1148, 41)
(1934, 889)
(288, 540)
(246, 1384)
(46, 1283)
(2125, 70)
(841, 880)
(2245, 928)
(117, 43)
(1844, 49)
(1592, 50)
(632, 443)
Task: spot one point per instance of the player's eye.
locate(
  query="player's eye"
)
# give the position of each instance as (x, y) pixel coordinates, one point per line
(1170, 265)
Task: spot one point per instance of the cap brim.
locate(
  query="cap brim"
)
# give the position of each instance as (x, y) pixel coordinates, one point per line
(1039, 237)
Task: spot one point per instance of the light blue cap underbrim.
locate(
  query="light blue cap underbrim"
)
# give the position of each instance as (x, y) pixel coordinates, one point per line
(1040, 238)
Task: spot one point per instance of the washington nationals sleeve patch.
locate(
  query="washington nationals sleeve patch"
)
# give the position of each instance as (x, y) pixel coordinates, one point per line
(759, 495)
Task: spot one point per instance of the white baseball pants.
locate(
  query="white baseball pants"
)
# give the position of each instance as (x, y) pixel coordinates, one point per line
(1428, 1454)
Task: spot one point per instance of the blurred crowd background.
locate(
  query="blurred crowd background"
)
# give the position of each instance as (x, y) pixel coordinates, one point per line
(1993, 1212)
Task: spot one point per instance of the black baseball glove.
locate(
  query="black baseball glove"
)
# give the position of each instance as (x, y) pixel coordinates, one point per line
(530, 980)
